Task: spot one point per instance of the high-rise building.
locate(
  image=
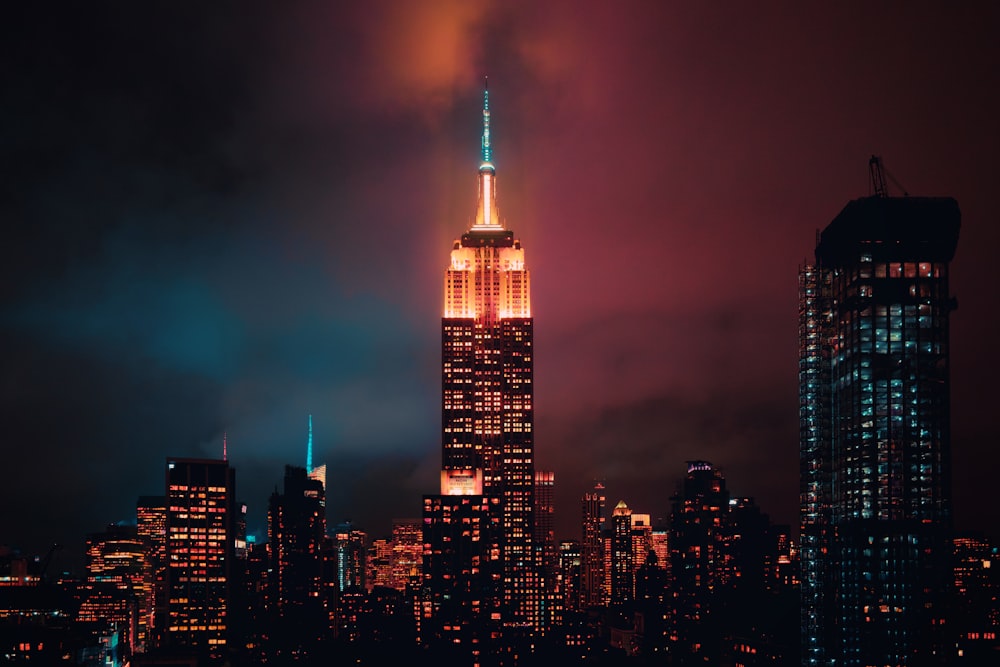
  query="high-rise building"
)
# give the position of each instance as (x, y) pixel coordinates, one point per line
(570, 559)
(350, 545)
(200, 555)
(115, 589)
(592, 590)
(622, 556)
(151, 527)
(296, 527)
(700, 564)
(875, 431)
(407, 553)
(975, 620)
(487, 375)
(545, 546)
(460, 605)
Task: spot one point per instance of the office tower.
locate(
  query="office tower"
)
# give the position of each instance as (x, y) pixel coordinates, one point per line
(975, 622)
(570, 566)
(592, 548)
(296, 529)
(407, 553)
(151, 527)
(350, 545)
(460, 605)
(545, 547)
(487, 373)
(875, 431)
(380, 563)
(200, 555)
(660, 543)
(622, 556)
(642, 538)
(116, 583)
(700, 562)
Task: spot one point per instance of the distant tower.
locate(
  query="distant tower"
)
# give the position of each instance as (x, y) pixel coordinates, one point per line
(200, 555)
(622, 556)
(151, 527)
(875, 432)
(592, 548)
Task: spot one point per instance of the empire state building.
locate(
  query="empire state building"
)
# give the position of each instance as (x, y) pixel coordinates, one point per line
(487, 416)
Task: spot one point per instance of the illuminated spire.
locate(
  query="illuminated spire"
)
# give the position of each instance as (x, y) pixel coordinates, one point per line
(487, 214)
(487, 149)
(309, 447)
(225, 455)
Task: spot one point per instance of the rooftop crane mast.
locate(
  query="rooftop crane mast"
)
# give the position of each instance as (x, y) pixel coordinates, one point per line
(878, 178)
(878, 174)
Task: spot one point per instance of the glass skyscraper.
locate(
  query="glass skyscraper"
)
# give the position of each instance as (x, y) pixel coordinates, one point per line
(875, 493)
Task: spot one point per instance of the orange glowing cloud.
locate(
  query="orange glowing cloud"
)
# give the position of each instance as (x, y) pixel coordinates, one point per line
(421, 53)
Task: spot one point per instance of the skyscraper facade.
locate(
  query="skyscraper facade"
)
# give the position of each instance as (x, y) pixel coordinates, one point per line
(875, 433)
(622, 556)
(115, 590)
(592, 590)
(487, 390)
(701, 562)
(200, 555)
(151, 522)
(296, 528)
(545, 545)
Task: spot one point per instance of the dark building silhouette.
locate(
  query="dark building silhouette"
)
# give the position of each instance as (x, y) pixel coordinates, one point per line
(296, 586)
(875, 432)
(460, 604)
(701, 561)
(975, 617)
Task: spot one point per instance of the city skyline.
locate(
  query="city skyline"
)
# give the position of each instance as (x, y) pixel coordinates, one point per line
(219, 239)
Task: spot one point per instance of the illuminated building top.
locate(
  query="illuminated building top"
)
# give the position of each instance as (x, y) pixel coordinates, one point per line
(487, 279)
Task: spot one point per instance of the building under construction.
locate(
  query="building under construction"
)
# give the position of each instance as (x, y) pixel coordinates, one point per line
(875, 431)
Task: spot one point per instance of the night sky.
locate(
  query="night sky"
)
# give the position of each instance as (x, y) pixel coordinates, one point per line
(224, 217)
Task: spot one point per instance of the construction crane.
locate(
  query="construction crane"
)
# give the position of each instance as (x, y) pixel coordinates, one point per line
(878, 174)
(43, 563)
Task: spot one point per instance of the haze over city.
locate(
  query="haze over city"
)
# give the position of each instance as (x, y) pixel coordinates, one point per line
(223, 219)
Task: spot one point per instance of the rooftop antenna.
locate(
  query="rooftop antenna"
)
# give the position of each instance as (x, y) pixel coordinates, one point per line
(225, 455)
(309, 447)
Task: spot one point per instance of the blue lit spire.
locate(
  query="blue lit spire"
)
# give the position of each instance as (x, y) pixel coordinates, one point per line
(309, 447)
(487, 148)
(487, 214)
